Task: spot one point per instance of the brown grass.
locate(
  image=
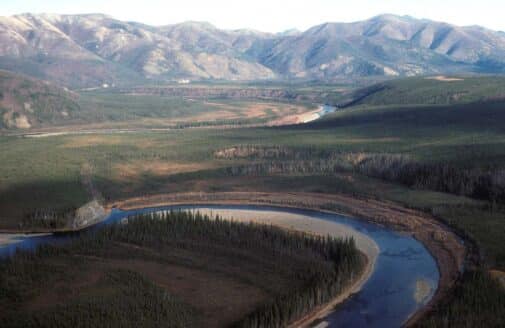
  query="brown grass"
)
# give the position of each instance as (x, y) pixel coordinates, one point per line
(296, 118)
(89, 140)
(92, 140)
(158, 168)
(253, 110)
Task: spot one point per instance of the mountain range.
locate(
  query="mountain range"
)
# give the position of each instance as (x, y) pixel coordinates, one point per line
(94, 49)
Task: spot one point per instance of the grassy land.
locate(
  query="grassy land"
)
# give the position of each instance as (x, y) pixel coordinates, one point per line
(110, 106)
(47, 171)
(171, 269)
(478, 302)
(465, 139)
(44, 106)
(432, 91)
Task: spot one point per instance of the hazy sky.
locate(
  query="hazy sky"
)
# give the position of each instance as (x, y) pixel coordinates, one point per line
(270, 15)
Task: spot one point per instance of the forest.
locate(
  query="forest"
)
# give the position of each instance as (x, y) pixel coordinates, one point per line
(297, 271)
(479, 183)
(446, 160)
(478, 301)
(486, 184)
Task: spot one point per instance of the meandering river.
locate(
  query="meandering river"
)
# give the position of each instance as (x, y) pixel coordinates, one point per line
(404, 277)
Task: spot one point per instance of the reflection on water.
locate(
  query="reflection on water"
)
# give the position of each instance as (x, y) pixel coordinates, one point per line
(404, 279)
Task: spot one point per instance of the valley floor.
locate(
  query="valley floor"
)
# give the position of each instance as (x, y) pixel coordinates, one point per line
(377, 163)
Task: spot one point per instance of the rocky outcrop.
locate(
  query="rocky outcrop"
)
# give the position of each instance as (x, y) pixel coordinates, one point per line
(88, 215)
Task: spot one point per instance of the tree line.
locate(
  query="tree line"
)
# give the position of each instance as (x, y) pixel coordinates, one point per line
(477, 301)
(480, 183)
(48, 218)
(315, 268)
(476, 183)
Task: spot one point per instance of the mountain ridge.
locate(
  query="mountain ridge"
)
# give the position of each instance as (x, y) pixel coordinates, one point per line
(93, 49)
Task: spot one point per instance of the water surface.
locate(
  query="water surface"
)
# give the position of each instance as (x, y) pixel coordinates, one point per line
(405, 275)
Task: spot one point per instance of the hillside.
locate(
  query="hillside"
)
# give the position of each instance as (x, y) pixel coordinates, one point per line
(26, 102)
(434, 90)
(386, 45)
(104, 50)
(90, 50)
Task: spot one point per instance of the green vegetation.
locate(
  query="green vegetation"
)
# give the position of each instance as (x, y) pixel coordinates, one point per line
(148, 107)
(432, 91)
(39, 102)
(122, 302)
(346, 143)
(478, 302)
(45, 105)
(107, 106)
(48, 218)
(443, 153)
(296, 271)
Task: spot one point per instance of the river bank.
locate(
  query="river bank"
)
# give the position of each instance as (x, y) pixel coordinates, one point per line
(438, 240)
(289, 221)
(12, 238)
(323, 311)
(299, 223)
(441, 242)
(164, 126)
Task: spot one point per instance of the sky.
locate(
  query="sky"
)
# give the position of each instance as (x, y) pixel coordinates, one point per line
(270, 15)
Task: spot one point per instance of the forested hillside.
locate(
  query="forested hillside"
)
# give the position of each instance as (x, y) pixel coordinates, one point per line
(432, 90)
(26, 102)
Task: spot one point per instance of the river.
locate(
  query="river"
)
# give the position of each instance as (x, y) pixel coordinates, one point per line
(404, 278)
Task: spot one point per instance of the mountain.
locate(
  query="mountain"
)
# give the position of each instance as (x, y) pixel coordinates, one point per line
(93, 49)
(290, 32)
(89, 50)
(27, 102)
(386, 45)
